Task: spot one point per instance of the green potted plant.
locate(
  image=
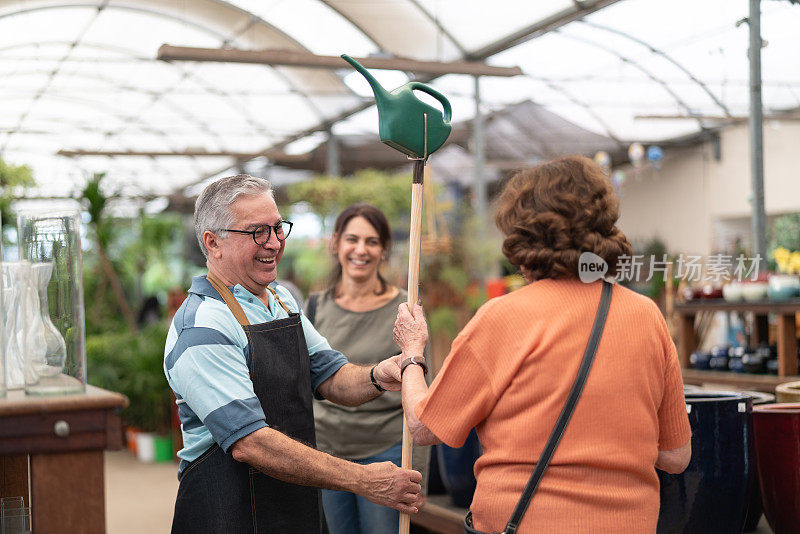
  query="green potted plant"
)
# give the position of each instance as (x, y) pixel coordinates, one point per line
(132, 364)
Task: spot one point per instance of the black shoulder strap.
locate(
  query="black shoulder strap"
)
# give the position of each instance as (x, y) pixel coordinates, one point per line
(566, 412)
(311, 305)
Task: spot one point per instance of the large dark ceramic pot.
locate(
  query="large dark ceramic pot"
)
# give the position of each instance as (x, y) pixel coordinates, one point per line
(754, 508)
(456, 467)
(435, 484)
(777, 445)
(711, 495)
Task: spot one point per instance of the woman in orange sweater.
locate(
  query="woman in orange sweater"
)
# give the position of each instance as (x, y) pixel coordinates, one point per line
(510, 370)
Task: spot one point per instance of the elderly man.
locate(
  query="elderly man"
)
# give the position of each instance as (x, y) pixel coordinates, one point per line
(243, 362)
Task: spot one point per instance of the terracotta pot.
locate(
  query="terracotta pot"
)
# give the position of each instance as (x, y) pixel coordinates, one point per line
(777, 446)
(788, 392)
(711, 495)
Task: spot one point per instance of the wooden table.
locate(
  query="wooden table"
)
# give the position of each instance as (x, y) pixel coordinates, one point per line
(51, 453)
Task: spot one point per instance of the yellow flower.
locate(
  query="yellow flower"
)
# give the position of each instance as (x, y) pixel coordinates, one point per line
(794, 263)
(782, 258)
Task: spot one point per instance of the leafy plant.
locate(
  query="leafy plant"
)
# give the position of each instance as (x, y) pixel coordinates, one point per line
(132, 364)
(95, 201)
(12, 178)
(328, 195)
(785, 232)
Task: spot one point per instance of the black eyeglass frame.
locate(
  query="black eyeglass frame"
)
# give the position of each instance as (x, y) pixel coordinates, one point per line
(270, 229)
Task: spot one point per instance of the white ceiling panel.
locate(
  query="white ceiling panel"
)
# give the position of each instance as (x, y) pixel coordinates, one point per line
(82, 74)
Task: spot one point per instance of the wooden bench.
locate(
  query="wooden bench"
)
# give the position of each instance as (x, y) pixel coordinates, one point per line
(439, 516)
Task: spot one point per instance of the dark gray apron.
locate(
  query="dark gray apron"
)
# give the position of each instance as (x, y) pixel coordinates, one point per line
(217, 494)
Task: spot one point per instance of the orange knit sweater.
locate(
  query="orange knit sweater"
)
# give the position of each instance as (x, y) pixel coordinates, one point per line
(509, 373)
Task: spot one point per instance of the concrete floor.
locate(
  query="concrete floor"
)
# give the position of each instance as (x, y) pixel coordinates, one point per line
(140, 497)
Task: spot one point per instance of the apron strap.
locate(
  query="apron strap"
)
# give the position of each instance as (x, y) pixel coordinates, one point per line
(229, 299)
(275, 294)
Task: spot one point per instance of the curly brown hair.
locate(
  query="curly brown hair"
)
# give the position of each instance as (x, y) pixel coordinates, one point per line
(553, 212)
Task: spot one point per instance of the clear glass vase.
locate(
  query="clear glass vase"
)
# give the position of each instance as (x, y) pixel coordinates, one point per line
(51, 243)
(25, 343)
(55, 350)
(2, 328)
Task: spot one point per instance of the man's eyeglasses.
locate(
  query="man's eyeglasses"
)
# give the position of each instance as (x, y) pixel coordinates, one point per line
(262, 233)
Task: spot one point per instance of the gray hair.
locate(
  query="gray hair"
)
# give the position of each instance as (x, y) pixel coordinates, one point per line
(212, 210)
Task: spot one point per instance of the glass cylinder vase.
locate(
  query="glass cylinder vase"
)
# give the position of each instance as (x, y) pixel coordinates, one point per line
(51, 243)
(2, 324)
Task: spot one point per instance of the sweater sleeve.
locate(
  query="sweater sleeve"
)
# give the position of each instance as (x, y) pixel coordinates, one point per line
(673, 422)
(462, 394)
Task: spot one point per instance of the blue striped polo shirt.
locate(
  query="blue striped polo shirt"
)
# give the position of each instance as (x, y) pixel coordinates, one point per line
(206, 357)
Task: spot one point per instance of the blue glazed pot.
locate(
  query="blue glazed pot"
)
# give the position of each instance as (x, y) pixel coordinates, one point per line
(435, 484)
(456, 467)
(710, 497)
(700, 360)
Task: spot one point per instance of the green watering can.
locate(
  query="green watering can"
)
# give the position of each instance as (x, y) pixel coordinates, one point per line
(405, 122)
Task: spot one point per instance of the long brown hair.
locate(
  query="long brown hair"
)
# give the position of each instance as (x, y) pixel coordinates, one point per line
(378, 221)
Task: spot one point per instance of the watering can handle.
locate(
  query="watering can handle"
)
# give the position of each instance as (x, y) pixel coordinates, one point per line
(419, 86)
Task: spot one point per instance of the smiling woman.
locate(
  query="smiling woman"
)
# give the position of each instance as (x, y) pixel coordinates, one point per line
(356, 315)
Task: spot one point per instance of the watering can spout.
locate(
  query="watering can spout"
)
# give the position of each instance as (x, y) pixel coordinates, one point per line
(377, 89)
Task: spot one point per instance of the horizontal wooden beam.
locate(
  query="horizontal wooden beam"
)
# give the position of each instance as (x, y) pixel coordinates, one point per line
(294, 58)
(737, 118)
(189, 153)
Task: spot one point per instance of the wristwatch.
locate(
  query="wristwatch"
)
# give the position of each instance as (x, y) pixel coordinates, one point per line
(414, 360)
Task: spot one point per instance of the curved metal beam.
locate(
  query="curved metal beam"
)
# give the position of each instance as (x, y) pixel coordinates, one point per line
(135, 9)
(200, 27)
(442, 29)
(119, 85)
(546, 25)
(367, 34)
(143, 126)
(42, 90)
(228, 98)
(663, 54)
(572, 98)
(640, 68)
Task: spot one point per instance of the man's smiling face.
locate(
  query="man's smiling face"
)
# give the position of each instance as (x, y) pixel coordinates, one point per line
(240, 260)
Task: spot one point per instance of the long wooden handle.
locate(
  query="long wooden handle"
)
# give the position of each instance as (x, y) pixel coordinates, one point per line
(414, 238)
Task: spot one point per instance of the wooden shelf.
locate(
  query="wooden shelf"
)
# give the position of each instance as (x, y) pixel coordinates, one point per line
(759, 307)
(749, 381)
(785, 310)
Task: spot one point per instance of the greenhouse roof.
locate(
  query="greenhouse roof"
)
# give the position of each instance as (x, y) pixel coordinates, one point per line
(82, 76)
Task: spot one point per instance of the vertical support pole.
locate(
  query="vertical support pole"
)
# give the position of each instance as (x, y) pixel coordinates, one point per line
(332, 163)
(414, 237)
(787, 345)
(758, 217)
(479, 156)
(687, 338)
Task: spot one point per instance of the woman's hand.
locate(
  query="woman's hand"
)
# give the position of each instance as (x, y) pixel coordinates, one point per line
(410, 331)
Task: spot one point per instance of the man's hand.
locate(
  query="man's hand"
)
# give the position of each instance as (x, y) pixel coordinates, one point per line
(388, 485)
(410, 331)
(387, 373)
